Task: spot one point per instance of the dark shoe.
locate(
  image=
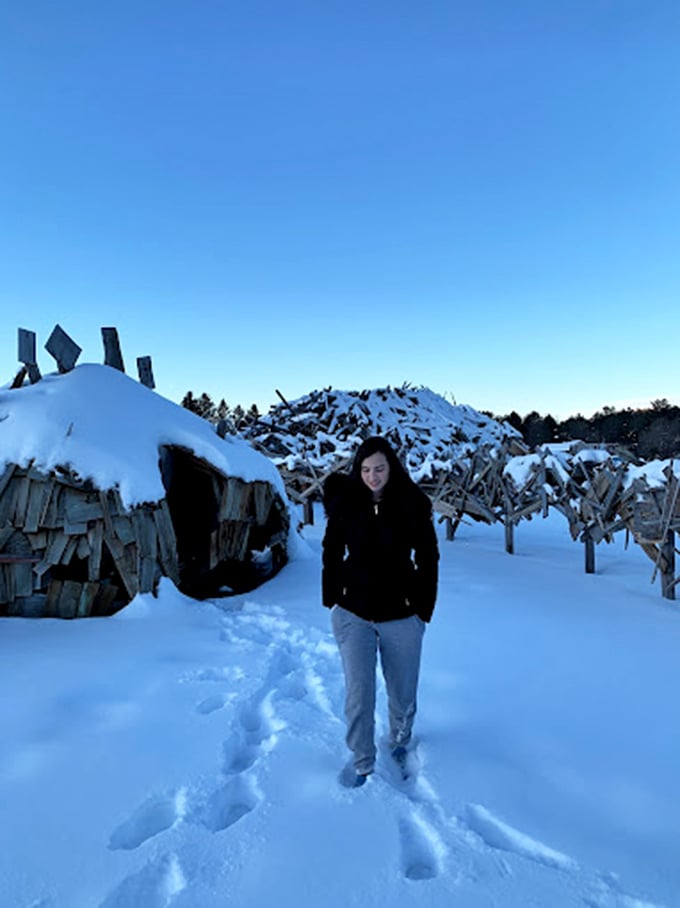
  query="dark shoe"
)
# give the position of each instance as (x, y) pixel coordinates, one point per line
(399, 754)
(400, 757)
(350, 778)
(360, 779)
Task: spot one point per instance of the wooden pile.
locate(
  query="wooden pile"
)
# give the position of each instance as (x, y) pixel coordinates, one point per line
(69, 550)
(251, 516)
(326, 427)
(471, 485)
(652, 515)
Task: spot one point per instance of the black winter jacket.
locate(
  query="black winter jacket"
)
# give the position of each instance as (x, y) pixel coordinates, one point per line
(380, 559)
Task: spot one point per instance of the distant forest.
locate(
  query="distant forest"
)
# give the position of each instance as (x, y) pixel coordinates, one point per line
(649, 433)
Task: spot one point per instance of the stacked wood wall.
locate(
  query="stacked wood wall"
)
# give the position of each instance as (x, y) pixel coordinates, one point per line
(69, 550)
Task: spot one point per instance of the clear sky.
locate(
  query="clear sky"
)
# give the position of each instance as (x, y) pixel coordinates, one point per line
(480, 196)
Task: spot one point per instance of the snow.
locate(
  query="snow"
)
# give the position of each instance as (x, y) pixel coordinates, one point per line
(186, 754)
(108, 428)
(326, 427)
(653, 472)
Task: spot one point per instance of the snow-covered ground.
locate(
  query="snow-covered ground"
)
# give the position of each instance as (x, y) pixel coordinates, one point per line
(186, 754)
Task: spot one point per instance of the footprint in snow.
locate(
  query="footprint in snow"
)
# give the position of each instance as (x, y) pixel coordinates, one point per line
(499, 835)
(155, 815)
(422, 851)
(212, 704)
(238, 755)
(228, 804)
(155, 886)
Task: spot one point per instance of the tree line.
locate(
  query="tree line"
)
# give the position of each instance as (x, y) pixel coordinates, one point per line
(648, 433)
(236, 418)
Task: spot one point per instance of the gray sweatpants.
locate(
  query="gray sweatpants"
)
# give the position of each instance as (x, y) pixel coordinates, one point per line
(399, 644)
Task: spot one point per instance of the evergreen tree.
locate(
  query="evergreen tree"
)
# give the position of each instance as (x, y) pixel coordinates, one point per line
(189, 402)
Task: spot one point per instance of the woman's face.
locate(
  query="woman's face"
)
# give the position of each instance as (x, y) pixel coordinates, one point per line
(375, 471)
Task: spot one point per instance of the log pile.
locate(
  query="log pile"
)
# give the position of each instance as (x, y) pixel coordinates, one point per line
(438, 441)
(471, 485)
(583, 483)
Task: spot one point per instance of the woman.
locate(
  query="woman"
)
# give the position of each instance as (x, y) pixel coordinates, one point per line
(379, 578)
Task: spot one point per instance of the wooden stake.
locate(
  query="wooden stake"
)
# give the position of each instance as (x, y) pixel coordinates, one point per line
(112, 354)
(509, 536)
(668, 566)
(589, 544)
(145, 371)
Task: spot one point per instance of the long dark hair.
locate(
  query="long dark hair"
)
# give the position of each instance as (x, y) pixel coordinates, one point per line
(399, 478)
(350, 487)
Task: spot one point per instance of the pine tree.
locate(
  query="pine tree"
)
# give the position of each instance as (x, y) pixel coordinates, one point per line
(189, 402)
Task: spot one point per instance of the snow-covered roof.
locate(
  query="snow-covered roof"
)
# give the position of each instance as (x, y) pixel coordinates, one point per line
(106, 427)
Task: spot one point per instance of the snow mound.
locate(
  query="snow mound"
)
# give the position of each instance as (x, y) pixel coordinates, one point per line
(102, 425)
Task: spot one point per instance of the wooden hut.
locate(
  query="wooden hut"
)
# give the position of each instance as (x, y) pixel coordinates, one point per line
(96, 507)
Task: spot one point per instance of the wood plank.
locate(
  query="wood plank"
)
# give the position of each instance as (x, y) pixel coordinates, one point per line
(26, 347)
(28, 606)
(106, 513)
(95, 537)
(69, 597)
(63, 349)
(86, 600)
(262, 500)
(6, 476)
(237, 500)
(80, 510)
(75, 529)
(23, 578)
(122, 560)
(145, 533)
(214, 549)
(56, 547)
(148, 571)
(22, 489)
(167, 542)
(6, 534)
(51, 518)
(19, 378)
(123, 529)
(53, 594)
(6, 558)
(112, 353)
(83, 550)
(145, 371)
(116, 506)
(104, 599)
(70, 549)
(6, 584)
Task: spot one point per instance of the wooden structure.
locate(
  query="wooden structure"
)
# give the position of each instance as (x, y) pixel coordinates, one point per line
(69, 549)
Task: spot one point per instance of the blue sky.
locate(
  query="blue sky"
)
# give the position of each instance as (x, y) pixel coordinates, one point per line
(482, 197)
